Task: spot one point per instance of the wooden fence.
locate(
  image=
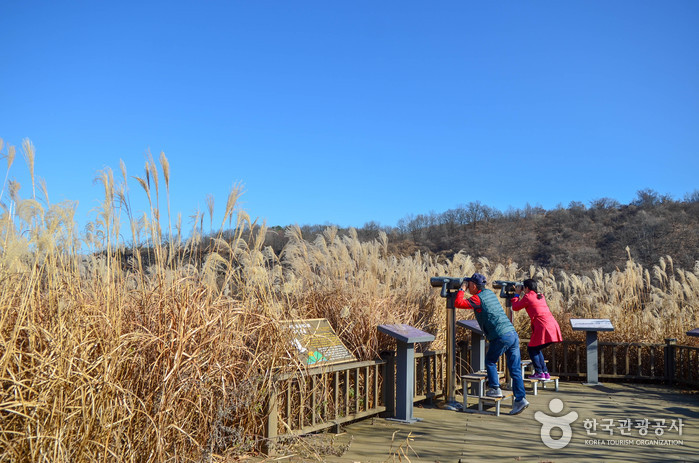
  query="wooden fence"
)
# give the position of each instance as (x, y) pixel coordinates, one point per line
(668, 363)
(323, 397)
(326, 397)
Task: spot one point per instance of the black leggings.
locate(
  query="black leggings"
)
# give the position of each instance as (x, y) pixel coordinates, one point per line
(538, 357)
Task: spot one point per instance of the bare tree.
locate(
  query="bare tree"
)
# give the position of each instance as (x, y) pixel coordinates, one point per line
(604, 203)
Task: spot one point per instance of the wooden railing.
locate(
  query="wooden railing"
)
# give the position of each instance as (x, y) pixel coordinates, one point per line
(686, 365)
(326, 397)
(430, 375)
(320, 398)
(669, 362)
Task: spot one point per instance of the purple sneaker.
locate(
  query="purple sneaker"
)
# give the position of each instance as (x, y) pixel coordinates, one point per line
(547, 375)
(538, 376)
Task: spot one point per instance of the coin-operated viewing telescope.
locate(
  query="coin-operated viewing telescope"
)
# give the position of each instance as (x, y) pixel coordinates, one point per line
(449, 286)
(507, 291)
(446, 283)
(507, 288)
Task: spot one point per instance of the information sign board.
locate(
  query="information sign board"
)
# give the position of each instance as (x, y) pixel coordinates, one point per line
(591, 324)
(317, 342)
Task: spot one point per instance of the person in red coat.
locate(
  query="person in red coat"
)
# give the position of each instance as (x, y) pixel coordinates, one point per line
(545, 328)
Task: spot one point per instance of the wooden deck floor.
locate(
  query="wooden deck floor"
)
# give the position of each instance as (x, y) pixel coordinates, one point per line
(451, 436)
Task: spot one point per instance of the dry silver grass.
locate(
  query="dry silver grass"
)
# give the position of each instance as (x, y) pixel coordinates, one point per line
(403, 451)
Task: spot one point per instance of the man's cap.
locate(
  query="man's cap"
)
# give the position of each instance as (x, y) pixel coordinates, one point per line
(477, 278)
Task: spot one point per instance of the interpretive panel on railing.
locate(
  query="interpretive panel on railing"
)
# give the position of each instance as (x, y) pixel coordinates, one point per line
(471, 325)
(591, 324)
(317, 342)
(406, 333)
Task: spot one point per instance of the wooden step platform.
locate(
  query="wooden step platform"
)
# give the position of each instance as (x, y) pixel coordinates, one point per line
(535, 383)
(476, 383)
(527, 365)
(494, 400)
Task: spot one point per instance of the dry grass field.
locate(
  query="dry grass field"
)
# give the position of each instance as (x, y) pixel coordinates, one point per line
(164, 351)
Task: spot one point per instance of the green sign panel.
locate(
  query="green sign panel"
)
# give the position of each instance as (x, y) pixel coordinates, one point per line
(317, 342)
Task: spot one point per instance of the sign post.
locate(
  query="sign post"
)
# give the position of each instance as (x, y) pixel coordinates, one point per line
(477, 344)
(591, 326)
(406, 337)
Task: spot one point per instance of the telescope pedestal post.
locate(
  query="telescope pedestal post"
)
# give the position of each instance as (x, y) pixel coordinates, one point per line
(511, 316)
(450, 402)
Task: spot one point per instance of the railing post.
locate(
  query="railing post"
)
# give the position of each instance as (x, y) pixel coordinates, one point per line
(670, 344)
(429, 389)
(419, 386)
(271, 411)
(336, 392)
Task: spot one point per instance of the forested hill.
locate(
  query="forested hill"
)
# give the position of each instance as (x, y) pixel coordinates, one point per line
(575, 239)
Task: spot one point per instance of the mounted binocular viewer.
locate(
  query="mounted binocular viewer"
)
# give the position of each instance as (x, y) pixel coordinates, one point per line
(452, 283)
(446, 283)
(507, 288)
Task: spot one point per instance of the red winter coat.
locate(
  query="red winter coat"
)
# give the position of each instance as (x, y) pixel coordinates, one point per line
(545, 328)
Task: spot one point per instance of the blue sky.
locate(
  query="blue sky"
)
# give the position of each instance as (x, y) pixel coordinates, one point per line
(348, 112)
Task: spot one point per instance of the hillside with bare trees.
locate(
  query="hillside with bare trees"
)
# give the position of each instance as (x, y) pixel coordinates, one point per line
(578, 238)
